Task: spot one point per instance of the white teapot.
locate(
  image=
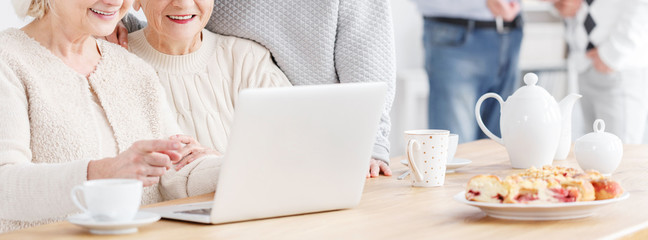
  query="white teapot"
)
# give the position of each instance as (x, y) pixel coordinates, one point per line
(535, 128)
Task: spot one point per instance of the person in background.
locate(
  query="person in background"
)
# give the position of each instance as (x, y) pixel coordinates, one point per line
(608, 49)
(471, 47)
(75, 109)
(201, 72)
(317, 42)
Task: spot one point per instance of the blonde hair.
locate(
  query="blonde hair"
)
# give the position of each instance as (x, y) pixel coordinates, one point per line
(38, 8)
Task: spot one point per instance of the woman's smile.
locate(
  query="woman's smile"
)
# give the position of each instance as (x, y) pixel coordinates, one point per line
(107, 15)
(181, 19)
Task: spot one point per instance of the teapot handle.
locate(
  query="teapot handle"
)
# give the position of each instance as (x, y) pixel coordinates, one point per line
(479, 119)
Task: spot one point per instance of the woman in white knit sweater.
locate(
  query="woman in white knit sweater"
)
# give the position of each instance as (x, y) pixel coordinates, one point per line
(72, 111)
(202, 72)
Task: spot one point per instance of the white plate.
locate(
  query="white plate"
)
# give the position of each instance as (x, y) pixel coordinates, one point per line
(451, 166)
(122, 227)
(555, 211)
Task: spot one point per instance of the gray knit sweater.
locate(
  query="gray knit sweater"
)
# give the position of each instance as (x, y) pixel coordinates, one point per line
(320, 42)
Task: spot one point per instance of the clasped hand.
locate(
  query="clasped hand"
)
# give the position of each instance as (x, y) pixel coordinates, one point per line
(149, 159)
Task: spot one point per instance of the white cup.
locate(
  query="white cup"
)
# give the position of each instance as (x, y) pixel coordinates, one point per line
(109, 200)
(427, 154)
(453, 140)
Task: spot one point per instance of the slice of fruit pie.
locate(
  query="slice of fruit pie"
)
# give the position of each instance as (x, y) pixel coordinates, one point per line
(539, 186)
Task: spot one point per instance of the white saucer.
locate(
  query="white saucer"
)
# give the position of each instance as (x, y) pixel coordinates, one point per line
(455, 163)
(122, 227)
(451, 166)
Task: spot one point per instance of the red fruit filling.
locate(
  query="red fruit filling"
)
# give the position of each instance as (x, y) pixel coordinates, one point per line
(565, 195)
(526, 197)
(499, 197)
(471, 194)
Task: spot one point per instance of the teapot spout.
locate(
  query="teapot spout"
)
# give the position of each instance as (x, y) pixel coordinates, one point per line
(566, 106)
(567, 103)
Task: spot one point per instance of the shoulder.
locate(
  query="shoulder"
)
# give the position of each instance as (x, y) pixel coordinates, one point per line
(118, 58)
(20, 55)
(14, 42)
(236, 45)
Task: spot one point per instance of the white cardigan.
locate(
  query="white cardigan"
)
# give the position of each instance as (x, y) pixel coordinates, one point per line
(620, 35)
(48, 134)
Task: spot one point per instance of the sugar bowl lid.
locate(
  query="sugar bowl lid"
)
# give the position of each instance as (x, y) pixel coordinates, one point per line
(599, 135)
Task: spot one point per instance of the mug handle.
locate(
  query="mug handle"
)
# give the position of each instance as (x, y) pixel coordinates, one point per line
(75, 200)
(410, 152)
(479, 119)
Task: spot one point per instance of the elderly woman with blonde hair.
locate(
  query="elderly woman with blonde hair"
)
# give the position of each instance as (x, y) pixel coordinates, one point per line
(202, 72)
(75, 109)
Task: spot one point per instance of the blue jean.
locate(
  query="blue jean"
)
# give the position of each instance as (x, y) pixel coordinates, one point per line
(463, 63)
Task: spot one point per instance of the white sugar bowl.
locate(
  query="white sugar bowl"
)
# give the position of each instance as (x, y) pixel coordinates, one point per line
(599, 150)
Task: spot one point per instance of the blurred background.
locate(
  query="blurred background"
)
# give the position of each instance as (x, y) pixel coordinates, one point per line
(543, 52)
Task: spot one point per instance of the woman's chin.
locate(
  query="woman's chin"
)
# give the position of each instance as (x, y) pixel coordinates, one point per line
(103, 31)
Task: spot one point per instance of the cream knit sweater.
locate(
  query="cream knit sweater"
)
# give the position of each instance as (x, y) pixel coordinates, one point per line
(317, 42)
(203, 86)
(48, 129)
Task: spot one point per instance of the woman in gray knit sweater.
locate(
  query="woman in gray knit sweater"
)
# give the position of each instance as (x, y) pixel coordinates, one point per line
(317, 42)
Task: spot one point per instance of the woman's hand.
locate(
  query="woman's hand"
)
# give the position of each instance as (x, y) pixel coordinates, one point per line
(119, 36)
(376, 167)
(144, 160)
(191, 151)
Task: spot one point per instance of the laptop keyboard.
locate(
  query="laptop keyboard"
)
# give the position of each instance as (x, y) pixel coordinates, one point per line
(202, 211)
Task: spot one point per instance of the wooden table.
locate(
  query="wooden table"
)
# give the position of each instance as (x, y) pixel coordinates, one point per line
(391, 209)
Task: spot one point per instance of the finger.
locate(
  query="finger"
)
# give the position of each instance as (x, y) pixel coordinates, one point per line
(112, 37)
(156, 171)
(375, 170)
(122, 36)
(184, 139)
(149, 181)
(157, 159)
(188, 149)
(515, 10)
(384, 168)
(495, 8)
(181, 164)
(509, 11)
(190, 158)
(158, 145)
(591, 53)
(601, 67)
(174, 156)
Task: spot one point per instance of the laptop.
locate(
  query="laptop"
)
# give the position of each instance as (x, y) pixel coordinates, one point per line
(292, 150)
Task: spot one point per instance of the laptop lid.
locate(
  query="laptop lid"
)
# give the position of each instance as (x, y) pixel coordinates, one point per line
(298, 149)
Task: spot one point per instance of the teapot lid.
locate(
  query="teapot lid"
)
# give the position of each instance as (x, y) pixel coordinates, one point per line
(531, 90)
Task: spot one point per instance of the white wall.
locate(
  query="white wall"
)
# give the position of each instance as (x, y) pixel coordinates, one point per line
(408, 31)
(8, 17)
